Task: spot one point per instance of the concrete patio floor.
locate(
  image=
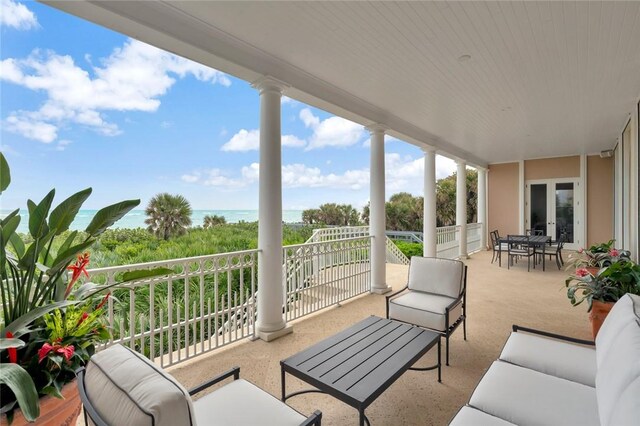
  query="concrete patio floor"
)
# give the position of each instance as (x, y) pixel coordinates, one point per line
(497, 298)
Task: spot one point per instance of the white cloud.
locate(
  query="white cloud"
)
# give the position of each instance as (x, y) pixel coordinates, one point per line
(444, 167)
(334, 131)
(31, 128)
(63, 144)
(166, 124)
(16, 15)
(132, 78)
(249, 140)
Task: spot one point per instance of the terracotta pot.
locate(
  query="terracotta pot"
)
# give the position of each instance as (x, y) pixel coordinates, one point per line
(599, 311)
(53, 411)
(593, 270)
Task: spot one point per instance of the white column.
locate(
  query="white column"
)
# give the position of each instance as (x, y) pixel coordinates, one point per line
(377, 217)
(482, 206)
(270, 323)
(521, 194)
(461, 206)
(429, 224)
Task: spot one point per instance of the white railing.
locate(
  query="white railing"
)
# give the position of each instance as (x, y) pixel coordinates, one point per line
(474, 240)
(208, 302)
(325, 273)
(409, 236)
(394, 254)
(448, 242)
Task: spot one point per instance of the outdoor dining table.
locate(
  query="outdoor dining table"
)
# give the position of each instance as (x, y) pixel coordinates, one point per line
(533, 241)
(359, 363)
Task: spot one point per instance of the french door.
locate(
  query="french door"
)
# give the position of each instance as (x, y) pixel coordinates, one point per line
(551, 208)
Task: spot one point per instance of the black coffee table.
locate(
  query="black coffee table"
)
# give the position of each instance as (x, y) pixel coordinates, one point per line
(359, 363)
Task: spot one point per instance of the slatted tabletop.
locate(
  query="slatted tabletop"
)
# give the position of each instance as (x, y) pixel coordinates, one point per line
(359, 363)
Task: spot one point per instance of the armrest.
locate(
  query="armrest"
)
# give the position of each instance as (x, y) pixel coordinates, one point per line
(314, 419)
(89, 410)
(235, 372)
(517, 328)
(388, 298)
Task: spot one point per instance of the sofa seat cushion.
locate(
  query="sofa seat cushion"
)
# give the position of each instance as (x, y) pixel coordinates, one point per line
(469, 416)
(424, 309)
(527, 397)
(125, 388)
(242, 403)
(550, 356)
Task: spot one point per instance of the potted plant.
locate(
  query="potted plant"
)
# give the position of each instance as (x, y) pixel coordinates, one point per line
(597, 256)
(50, 323)
(602, 289)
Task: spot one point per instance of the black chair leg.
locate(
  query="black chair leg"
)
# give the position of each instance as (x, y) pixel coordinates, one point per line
(464, 328)
(558, 262)
(447, 357)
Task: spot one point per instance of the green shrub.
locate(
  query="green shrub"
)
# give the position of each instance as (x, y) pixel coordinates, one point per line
(409, 249)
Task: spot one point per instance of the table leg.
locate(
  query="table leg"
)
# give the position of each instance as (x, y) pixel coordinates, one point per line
(544, 256)
(282, 384)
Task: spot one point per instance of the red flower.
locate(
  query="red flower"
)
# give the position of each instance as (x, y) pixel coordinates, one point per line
(582, 272)
(66, 351)
(581, 250)
(13, 352)
(78, 268)
(614, 253)
(106, 297)
(83, 317)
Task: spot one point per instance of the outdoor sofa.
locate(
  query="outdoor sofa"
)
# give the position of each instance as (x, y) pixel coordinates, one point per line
(546, 379)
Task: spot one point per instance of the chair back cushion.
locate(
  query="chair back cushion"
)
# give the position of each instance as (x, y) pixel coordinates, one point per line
(619, 368)
(125, 388)
(438, 276)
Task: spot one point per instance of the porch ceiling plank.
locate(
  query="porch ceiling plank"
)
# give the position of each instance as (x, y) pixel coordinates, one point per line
(544, 78)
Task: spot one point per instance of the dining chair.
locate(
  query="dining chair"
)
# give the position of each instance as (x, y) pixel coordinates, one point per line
(497, 247)
(519, 246)
(559, 245)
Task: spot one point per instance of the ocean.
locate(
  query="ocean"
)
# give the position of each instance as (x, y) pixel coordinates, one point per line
(135, 218)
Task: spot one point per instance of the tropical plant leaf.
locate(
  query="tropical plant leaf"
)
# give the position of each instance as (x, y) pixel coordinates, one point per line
(109, 215)
(6, 343)
(22, 386)
(17, 244)
(8, 228)
(34, 250)
(62, 216)
(67, 243)
(38, 216)
(4, 221)
(144, 273)
(26, 319)
(5, 173)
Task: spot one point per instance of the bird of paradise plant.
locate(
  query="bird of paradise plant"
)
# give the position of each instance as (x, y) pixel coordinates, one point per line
(50, 323)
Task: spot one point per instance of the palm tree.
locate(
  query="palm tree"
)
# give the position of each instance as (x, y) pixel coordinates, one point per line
(168, 215)
(213, 220)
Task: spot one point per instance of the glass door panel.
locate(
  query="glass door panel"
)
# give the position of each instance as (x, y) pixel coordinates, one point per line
(538, 208)
(564, 212)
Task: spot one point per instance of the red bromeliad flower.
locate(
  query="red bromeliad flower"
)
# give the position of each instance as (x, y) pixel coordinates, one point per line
(13, 352)
(78, 268)
(83, 317)
(66, 351)
(614, 253)
(106, 297)
(582, 272)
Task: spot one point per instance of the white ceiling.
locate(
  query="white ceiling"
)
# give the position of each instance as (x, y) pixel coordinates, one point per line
(544, 79)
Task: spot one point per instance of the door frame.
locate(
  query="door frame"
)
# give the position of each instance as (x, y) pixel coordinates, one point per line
(578, 225)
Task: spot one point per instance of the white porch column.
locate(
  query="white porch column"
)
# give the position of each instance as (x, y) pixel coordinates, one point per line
(377, 217)
(482, 206)
(429, 221)
(270, 323)
(461, 206)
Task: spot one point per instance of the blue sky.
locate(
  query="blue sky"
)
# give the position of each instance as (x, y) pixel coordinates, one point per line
(85, 106)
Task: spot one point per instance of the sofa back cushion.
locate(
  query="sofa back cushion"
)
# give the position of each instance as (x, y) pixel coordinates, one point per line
(126, 388)
(619, 368)
(621, 315)
(438, 276)
(627, 409)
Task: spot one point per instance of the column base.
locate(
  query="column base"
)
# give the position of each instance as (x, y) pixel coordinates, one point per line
(381, 290)
(269, 336)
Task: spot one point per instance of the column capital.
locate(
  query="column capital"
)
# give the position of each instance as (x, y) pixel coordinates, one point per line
(268, 83)
(461, 162)
(428, 150)
(376, 128)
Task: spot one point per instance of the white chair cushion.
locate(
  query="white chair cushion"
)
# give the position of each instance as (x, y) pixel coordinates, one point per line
(627, 409)
(242, 403)
(549, 356)
(469, 416)
(527, 397)
(619, 368)
(438, 276)
(424, 309)
(621, 314)
(127, 389)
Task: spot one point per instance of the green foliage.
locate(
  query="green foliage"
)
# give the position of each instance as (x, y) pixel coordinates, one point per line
(332, 214)
(213, 220)
(168, 215)
(409, 249)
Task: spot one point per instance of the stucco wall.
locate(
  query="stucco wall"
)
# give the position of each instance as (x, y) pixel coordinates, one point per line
(599, 199)
(503, 198)
(552, 168)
